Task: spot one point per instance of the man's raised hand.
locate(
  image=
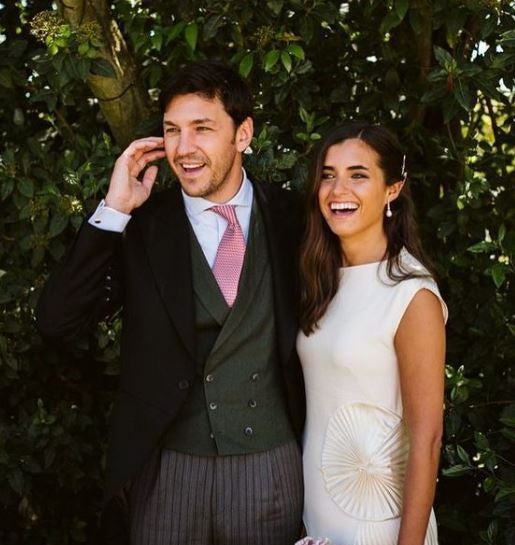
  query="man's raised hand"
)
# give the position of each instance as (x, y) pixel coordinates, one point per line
(127, 191)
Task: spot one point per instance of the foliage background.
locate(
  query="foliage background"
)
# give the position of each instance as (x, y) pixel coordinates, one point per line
(84, 83)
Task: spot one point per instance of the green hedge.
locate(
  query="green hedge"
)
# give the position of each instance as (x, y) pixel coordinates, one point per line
(439, 73)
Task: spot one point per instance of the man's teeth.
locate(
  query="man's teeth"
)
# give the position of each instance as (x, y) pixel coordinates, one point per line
(344, 206)
(192, 165)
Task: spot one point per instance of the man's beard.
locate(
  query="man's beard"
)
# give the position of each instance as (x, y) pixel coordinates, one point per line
(204, 192)
(216, 182)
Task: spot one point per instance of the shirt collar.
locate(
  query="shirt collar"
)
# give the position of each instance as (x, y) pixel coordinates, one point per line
(196, 205)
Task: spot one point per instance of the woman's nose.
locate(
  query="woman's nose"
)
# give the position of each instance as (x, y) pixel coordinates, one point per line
(341, 185)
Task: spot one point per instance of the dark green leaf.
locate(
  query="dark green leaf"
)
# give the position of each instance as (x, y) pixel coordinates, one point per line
(443, 57)
(211, 26)
(15, 479)
(270, 59)
(102, 67)
(482, 247)
(246, 64)
(498, 273)
(504, 492)
(456, 471)
(58, 224)
(25, 187)
(463, 95)
(401, 8)
(455, 22)
(191, 35)
(463, 455)
(157, 40)
(276, 6)
(508, 421)
(389, 22)
(297, 51)
(489, 26)
(286, 60)
(173, 32)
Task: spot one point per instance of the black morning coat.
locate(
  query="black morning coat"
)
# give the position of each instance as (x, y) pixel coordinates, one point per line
(147, 270)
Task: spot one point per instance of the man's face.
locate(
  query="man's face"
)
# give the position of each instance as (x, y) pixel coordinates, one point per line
(204, 147)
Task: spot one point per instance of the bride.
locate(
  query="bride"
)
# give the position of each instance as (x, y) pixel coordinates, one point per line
(372, 348)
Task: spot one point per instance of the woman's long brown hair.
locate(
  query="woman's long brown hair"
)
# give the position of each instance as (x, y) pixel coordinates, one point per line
(321, 254)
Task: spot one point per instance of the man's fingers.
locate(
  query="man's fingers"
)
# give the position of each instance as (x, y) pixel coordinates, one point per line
(137, 148)
(149, 177)
(154, 155)
(138, 165)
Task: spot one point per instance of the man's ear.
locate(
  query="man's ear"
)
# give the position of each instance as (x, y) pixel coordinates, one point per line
(393, 191)
(244, 134)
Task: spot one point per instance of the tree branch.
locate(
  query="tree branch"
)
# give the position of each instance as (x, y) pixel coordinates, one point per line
(424, 48)
(123, 100)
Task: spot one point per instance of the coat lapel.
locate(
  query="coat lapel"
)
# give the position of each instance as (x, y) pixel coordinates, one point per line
(281, 236)
(168, 248)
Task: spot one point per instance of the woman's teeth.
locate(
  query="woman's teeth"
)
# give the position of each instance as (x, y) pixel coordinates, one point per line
(343, 208)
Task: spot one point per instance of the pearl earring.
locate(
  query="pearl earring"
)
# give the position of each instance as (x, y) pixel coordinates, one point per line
(389, 212)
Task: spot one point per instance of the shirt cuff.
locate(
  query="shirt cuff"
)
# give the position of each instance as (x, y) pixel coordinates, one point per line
(109, 219)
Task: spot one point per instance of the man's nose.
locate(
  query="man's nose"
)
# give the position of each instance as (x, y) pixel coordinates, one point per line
(185, 144)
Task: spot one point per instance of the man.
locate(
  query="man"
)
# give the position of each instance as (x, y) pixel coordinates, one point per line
(205, 429)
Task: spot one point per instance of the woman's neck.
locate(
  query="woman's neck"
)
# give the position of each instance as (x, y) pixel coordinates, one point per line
(361, 252)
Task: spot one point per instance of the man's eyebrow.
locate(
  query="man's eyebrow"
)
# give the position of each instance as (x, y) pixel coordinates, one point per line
(201, 121)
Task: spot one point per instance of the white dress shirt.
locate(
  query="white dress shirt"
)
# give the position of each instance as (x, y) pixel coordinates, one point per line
(207, 225)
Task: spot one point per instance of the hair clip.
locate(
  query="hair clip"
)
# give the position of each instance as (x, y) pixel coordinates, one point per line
(404, 172)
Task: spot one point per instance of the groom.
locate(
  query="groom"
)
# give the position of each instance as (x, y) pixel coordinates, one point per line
(204, 446)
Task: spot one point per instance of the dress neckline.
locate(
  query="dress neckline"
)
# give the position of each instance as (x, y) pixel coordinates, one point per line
(362, 265)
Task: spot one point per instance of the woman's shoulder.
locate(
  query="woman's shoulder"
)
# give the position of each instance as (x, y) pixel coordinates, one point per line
(409, 265)
(416, 278)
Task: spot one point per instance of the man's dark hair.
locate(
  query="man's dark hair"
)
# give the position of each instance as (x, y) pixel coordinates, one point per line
(211, 79)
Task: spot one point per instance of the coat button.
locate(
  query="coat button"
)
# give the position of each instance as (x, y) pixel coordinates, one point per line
(213, 406)
(183, 384)
(254, 377)
(210, 378)
(252, 404)
(248, 430)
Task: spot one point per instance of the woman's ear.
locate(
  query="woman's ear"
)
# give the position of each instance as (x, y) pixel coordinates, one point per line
(244, 134)
(393, 191)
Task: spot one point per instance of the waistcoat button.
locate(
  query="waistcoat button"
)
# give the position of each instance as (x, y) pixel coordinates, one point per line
(248, 430)
(252, 404)
(183, 384)
(254, 377)
(209, 378)
(213, 406)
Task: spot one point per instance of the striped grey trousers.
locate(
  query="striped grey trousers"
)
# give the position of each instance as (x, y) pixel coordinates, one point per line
(249, 499)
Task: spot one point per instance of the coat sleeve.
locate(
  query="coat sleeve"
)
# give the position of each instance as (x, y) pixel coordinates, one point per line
(86, 288)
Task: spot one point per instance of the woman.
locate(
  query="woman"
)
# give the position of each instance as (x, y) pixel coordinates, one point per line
(372, 349)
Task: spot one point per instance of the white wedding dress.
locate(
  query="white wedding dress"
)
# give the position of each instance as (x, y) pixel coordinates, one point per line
(355, 441)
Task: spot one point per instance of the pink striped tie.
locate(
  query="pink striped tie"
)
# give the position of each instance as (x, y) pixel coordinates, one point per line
(230, 254)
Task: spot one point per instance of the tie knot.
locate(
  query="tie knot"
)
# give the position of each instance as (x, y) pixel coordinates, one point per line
(227, 211)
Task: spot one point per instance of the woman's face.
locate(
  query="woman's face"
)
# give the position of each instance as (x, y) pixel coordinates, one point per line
(353, 193)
